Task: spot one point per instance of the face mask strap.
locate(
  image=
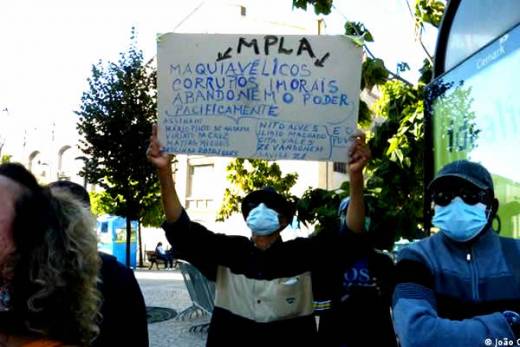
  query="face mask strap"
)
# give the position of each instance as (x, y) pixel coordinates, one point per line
(489, 211)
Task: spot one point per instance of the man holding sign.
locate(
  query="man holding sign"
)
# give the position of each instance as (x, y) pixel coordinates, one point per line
(263, 285)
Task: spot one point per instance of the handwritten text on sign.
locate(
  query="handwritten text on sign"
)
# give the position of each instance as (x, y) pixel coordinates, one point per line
(254, 96)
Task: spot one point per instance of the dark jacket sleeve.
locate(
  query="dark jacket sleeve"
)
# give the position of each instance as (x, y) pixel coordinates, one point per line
(324, 253)
(416, 320)
(202, 248)
(341, 249)
(124, 313)
(383, 266)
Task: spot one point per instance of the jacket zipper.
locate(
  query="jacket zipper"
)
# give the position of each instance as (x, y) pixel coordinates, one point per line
(474, 277)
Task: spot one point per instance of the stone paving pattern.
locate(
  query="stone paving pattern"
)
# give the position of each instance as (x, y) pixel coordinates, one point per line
(166, 289)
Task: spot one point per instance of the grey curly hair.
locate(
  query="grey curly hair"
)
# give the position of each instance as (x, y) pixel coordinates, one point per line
(55, 265)
(77, 271)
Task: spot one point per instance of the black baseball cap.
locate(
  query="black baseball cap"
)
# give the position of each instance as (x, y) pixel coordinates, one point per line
(471, 172)
(271, 199)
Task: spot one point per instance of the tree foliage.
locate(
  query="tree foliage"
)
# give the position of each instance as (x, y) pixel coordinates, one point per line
(6, 158)
(320, 6)
(428, 11)
(395, 174)
(102, 203)
(153, 216)
(248, 175)
(373, 73)
(319, 207)
(358, 33)
(396, 170)
(116, 113)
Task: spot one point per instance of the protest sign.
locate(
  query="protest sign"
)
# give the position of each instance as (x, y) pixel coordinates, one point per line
(258, 96)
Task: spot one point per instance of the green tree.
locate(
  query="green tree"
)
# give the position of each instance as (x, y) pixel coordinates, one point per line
(102, 203)
(248, 175)
(115, 117)
(319, 207)
(395, 175)
(396, 171)
(320, 6)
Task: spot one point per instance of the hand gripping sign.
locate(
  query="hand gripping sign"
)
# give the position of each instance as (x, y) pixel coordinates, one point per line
(256, 96)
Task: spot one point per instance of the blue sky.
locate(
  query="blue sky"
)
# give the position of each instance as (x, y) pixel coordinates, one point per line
(49, 46)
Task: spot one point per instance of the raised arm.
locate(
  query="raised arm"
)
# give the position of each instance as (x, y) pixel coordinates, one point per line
(193, 242)
(162, 162)
(359, 156)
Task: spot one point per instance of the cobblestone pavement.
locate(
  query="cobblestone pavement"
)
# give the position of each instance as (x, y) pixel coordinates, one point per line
(166, 289)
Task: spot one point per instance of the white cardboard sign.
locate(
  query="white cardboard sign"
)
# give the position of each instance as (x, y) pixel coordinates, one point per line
(258, 96)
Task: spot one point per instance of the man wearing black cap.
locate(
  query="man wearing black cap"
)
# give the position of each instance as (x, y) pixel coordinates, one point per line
(263, 285)
(461, 286)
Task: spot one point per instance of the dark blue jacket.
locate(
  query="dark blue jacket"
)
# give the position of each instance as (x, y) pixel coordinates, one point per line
(360, 301)
(453, 294)
(123, 309)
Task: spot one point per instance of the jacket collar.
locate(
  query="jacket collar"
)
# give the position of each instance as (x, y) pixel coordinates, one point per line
(483, 240)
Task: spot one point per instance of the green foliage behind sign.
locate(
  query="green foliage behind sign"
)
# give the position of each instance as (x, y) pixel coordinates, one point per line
(395, 174)
(248, 175)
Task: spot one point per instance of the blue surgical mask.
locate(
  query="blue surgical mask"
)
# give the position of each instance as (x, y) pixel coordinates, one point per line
(262, 220)
(460, 221)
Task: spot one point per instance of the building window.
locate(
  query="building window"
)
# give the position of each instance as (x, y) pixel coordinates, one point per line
(340, 167)
(201, 185)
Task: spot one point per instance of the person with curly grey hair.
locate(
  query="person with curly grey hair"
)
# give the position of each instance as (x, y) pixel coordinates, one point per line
(123, 310)
(49, 265)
